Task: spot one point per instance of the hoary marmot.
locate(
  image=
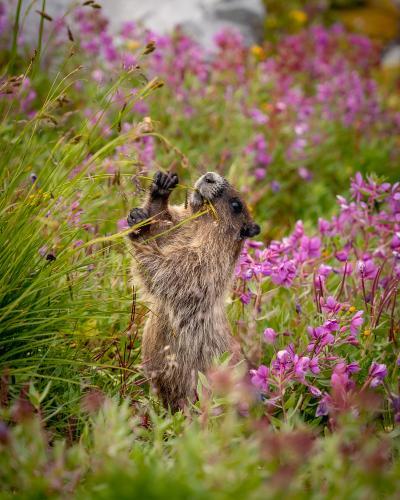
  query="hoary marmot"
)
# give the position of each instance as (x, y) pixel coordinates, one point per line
(185, 259)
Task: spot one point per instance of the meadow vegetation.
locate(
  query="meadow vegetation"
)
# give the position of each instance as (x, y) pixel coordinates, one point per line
(303, 127)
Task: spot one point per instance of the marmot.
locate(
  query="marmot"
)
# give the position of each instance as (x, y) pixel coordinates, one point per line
(186, 274)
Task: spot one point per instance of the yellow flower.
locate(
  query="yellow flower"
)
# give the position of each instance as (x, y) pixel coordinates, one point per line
(367, 332)
(299, 16)
(133, 44)
(351, 309)
(257, 51)
(35, 199)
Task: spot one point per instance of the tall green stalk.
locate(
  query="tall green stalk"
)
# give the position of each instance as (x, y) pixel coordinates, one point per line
(40, 37)
(15, 38)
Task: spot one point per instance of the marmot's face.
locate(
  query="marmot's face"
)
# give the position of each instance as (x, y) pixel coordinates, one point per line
(227, 202)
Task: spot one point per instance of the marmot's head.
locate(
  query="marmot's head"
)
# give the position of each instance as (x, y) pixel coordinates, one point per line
(227, 202)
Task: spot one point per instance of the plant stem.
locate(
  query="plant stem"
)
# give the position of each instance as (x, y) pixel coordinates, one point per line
(40, 37)
(15, 37)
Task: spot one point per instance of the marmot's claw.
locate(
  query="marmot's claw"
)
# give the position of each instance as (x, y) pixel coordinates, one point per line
(163, 184)
(136, 215)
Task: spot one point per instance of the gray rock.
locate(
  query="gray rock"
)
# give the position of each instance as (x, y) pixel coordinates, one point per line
(199, 18)
(391, 57)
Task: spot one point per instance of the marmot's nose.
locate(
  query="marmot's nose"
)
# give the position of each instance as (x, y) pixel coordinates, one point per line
(209, 178)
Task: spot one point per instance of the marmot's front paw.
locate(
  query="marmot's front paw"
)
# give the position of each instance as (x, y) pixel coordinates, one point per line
(136, 215)
(163, 184)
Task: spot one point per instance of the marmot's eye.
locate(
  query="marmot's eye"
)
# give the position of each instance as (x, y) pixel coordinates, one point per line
(236, 205)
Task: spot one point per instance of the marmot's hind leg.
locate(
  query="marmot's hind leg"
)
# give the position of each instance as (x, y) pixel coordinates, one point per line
(173, 396)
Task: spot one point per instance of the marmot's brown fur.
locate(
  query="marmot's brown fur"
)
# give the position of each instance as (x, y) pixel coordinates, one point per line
(186, 274)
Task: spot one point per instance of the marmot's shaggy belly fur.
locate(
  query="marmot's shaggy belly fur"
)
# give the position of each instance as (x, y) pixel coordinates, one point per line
(186, 275)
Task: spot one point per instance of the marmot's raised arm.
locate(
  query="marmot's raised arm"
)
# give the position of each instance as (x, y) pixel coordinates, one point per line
(187, 279)
(156, 208)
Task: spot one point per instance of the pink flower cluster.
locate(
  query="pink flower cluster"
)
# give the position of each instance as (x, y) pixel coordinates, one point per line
(357, 256)
(281, 259)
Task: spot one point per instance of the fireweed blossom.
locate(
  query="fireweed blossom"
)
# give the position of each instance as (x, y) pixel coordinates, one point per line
(270, 335)
(321, 336)
(259, 377)
(298, 254)
(122, 224)
(353, 281)
(356, 321)
(377, 373)
(330, 305)
(257, 150)
(340, 397)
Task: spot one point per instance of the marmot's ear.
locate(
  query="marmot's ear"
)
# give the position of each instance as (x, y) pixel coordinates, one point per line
(249, 230)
